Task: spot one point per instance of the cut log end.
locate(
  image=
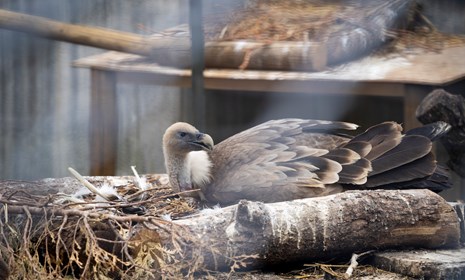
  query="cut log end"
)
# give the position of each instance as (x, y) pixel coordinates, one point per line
(423, 264)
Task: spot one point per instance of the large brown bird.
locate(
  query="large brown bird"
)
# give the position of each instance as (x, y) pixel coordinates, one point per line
(293, 158)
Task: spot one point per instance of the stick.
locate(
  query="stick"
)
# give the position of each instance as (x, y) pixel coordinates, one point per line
(354, 263)
(88, 185)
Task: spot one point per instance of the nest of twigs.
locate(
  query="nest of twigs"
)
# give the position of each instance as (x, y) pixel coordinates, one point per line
(58, 236)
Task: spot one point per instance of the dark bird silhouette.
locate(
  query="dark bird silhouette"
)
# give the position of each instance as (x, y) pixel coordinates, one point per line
(289, 159)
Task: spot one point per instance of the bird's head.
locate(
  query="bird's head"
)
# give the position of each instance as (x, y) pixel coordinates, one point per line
(182, 138)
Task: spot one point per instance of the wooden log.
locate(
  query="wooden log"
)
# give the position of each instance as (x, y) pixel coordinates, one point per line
(440, 105)
(66, 185)
(253, 234)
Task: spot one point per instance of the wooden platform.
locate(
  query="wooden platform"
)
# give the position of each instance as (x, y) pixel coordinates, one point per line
(415, 66)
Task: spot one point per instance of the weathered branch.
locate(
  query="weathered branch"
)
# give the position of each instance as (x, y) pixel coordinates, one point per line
(77, 34)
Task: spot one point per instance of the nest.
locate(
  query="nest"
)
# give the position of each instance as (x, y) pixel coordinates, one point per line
(57, 236)
(268, 21)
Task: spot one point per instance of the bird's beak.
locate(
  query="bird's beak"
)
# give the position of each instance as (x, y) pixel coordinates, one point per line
(204, 141)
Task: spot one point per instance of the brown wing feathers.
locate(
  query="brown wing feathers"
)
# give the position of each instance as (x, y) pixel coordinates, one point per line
(356, 173)
(382, 138)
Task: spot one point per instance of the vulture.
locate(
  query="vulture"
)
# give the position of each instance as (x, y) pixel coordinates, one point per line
(289, 159)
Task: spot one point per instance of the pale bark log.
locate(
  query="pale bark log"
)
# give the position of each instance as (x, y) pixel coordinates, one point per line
(323, 228)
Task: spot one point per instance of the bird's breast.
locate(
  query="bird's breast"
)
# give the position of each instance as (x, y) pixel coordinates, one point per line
(200, 166)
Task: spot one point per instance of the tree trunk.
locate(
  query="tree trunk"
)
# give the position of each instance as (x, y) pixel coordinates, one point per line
(254, 234)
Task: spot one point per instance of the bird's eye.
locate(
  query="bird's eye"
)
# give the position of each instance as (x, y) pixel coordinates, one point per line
(182, 134)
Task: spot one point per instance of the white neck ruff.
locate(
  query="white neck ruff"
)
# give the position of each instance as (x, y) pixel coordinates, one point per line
(199, 165)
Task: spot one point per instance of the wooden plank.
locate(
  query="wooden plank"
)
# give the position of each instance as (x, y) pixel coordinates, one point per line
(426, 264)
(280, 86)
(406, 68)
(103, 124)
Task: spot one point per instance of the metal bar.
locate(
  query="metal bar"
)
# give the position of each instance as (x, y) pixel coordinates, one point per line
(198, 62)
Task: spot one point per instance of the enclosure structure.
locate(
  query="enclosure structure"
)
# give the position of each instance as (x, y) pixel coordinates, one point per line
(109, 70)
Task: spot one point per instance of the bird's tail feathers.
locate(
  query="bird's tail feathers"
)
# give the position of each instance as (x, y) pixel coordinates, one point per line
(402, 161)
(438, 181)
(432, 131)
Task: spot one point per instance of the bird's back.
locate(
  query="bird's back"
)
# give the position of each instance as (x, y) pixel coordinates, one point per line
(293, 158)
